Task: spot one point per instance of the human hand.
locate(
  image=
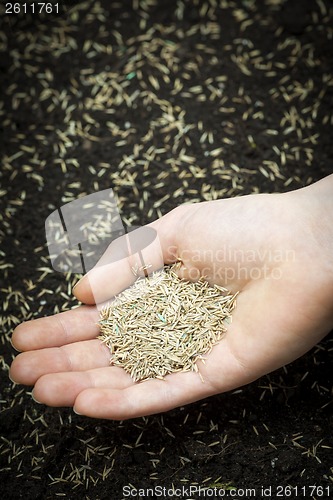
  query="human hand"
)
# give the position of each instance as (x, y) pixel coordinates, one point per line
(275, 249)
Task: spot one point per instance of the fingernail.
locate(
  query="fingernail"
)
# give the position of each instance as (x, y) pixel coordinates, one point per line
(77, 413)
(10, 378)
(36, 400)
(76, 284)
(11, 342)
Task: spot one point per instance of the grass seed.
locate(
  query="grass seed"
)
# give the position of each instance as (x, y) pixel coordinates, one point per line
(164, 324)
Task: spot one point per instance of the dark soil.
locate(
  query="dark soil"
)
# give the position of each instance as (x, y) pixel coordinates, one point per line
(166, 102)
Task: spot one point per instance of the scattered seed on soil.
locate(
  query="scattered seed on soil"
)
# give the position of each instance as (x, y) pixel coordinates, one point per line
(164, 324)
(81, 112)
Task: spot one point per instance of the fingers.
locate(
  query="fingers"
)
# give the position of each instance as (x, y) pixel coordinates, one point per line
(61, 389)
(28, 367)
(128, 256)
(141, 399)
(111, 393)
(220, 372)
(63, 328)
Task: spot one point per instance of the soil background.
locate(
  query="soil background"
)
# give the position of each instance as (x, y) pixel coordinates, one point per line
(166, 102)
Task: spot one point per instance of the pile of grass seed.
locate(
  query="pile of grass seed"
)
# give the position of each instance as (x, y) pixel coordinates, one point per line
(163, 324)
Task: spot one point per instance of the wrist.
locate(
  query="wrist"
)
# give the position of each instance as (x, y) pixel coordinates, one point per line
(316, 205)
(316, 201)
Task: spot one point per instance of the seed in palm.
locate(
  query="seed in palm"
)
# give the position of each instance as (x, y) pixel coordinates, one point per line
(164, 324)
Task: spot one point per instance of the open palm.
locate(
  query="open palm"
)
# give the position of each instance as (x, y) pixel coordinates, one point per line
(265, 246)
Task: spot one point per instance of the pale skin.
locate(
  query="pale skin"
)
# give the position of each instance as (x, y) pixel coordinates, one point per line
(284, 308)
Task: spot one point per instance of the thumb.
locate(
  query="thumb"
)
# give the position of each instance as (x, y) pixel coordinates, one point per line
(137, 253)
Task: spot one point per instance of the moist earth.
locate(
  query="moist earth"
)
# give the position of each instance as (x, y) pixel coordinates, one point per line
(165, 102)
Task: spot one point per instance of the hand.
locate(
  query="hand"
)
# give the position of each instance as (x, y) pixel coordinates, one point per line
(275, 249)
